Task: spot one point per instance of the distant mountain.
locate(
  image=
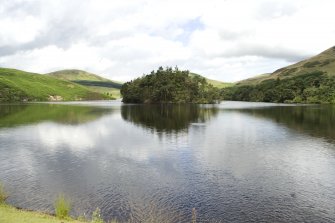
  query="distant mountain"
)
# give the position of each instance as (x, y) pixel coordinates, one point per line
(308, 81)
(92, 81)
(324, 62)
(17, 85)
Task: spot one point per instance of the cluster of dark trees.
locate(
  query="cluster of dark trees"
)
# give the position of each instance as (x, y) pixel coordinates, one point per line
(9, 94)
(315, 87)
(169, 86)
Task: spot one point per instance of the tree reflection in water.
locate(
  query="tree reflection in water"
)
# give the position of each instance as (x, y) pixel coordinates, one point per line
(168, 118)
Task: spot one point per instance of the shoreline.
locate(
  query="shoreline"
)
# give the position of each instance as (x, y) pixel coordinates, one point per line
(12, 214)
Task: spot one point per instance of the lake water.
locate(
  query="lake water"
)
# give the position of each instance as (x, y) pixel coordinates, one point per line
(233, 162)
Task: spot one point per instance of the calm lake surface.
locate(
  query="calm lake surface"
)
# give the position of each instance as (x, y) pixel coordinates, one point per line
(233, 162)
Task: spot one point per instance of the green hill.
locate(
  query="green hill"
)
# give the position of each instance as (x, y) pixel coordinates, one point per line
(94, 82)
(215, 83)
(16, 85)
(254, 80)
(308, 81)
(324, 62)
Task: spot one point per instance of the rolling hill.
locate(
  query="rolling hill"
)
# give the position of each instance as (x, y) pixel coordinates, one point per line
(309, 81)
(17, 85)
(324, 62)
(254, 80)
(92, 81)
(215, 83)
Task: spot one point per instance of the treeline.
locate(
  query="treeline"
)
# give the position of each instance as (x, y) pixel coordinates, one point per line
(315, 87)
(169, 86)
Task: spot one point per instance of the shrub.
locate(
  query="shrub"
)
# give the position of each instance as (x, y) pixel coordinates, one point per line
(96, 216)
(62, 206)
(194, 215)
(3, 195)
(82, 218)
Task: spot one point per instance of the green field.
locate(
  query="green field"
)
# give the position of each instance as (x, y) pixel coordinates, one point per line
(92, 81)
(16, 85)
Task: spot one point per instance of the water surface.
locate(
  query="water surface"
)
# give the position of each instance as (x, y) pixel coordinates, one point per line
(233, 162)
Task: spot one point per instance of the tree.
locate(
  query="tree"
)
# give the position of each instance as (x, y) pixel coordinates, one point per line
(169, 86)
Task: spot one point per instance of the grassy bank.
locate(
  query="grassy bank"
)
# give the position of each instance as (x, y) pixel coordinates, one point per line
(17, 86)
(10, 214)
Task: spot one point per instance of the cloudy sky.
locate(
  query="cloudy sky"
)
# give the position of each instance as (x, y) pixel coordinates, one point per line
(226, 40)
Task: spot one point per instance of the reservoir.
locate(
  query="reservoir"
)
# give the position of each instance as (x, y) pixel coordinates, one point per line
(230, 162)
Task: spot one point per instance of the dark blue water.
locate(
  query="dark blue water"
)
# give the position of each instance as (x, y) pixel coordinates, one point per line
(233, 162)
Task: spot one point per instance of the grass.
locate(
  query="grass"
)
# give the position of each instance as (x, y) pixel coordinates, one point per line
(92, 81)
(10, 214)
(219, 84)
(253, 80)
(215, 83)
(75, 75)
(3, 194)
(114, 92)
(96, 216)
(16, 85)
(62, 207)
(324, 62)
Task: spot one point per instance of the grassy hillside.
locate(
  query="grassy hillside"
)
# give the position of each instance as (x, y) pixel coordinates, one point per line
(215, 83)
(219, 84)
(16, 85)
(309, 81)
(254, 80)
(92, 81)
(324, 62)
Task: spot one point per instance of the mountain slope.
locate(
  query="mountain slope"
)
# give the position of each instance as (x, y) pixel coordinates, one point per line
(92, 81)
(309, 81)
(215, 83)
(16, 85)
(254, 80)
(324, 62)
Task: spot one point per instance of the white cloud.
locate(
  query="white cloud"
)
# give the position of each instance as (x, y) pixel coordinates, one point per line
(226, 40)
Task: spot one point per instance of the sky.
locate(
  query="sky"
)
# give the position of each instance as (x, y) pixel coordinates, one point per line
(226, 40)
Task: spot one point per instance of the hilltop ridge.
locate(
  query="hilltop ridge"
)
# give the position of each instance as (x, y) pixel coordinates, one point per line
(18, 86)
(323, 62)
(94, 82)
